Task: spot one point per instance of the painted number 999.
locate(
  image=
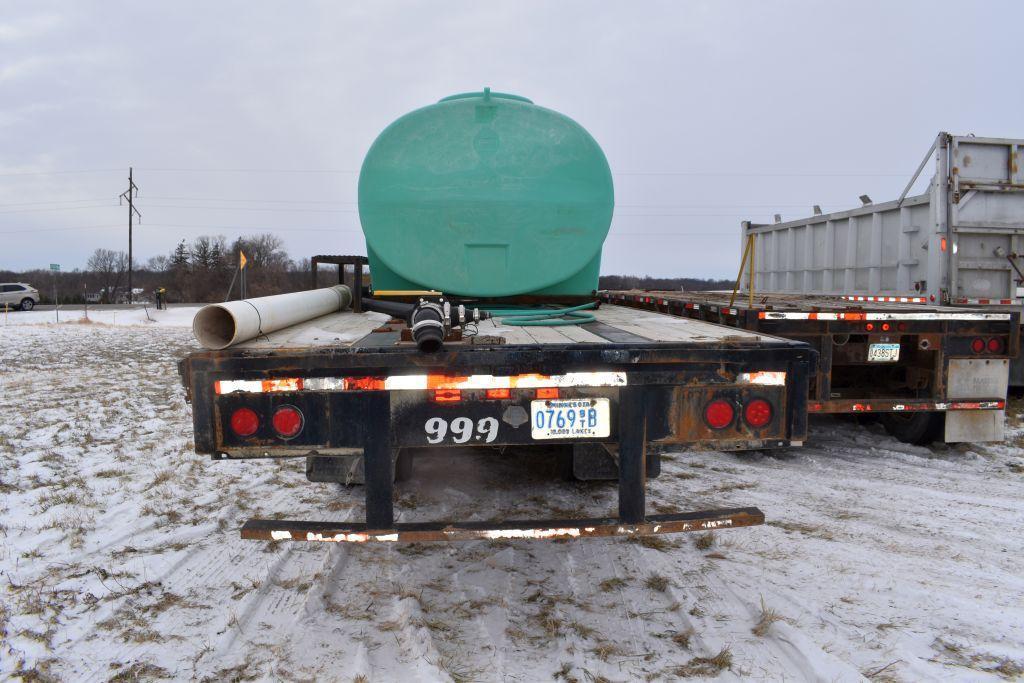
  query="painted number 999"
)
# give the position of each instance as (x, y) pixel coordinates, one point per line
(461, 429)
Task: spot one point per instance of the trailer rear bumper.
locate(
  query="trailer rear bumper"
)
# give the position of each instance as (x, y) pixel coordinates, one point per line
(899, 405)
(348, 532)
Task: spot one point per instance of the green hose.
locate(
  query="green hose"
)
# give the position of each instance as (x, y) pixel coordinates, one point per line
(545, 317)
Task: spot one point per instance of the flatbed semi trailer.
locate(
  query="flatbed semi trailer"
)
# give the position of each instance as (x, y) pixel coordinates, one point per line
(913, 304)
(346, 392)
(930, 372)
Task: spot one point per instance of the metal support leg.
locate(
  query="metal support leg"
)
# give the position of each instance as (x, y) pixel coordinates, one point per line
(378, 468)
(632, 460)
(357, 286)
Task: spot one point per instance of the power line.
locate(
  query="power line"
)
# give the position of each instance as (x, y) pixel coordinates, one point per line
(253, 200)
(61, 229)
(57, 201)
(151, 169)
(61, 208)
(717, 174)
(246, 208)
(84, 170)
(337, 171)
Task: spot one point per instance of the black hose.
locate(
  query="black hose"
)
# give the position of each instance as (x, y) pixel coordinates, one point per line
(427, 323)
(426, 319)
(396, 309)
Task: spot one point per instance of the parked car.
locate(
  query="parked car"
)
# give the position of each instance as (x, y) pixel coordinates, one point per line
(18, 295)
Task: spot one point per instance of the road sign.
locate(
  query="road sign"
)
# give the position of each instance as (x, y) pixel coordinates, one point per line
(55, 267)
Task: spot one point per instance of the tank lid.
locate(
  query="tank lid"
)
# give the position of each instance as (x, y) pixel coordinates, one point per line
(486, 94)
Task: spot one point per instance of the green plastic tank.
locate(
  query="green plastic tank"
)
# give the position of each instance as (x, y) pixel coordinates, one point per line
(485, 194)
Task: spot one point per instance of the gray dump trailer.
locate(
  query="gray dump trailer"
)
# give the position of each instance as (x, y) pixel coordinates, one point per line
(913, 304)
(959, 243)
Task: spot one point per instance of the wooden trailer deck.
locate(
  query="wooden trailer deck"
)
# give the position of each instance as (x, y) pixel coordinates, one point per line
(614, 324)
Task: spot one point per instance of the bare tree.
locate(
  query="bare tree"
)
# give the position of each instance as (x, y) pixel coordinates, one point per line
(111, 266)
(158, 264)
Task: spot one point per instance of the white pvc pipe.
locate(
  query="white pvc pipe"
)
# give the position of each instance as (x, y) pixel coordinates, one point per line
(219, 326)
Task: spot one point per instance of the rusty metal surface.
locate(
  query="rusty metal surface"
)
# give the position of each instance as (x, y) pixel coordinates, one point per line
(348, 532)
(901, 405)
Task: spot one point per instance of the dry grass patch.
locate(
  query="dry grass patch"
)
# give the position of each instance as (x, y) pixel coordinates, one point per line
(606, 650)
(657, 582)
(764, 622)
(704, 541)
(456, 669)
(654, 542)
(162, 477)
(611, 584)
(706, 667)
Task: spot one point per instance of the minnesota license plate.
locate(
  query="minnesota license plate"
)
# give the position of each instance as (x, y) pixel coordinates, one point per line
(883, 353)
(575, 418)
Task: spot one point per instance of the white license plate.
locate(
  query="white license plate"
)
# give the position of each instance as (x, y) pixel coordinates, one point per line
(883, 353)
(571, 418)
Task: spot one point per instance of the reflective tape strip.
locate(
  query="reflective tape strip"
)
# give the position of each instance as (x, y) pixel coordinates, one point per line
(817, 315)
(258, 386)
(423, 382)
(768, 377)
(985, 302)
(886, 299)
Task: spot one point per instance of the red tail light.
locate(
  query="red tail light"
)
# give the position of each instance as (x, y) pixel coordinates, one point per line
(719, 414)
(870, 327)
(758, 413)
(287, 421)
(547, 392)
(977, 345)
(245, 422)
(995, 345)
(499, 394)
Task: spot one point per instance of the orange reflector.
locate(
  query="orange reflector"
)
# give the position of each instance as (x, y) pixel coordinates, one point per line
(364, 383)
(547, 392)
(447, 395)
(499, 393)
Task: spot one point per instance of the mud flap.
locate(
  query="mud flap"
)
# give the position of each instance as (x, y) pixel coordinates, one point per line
(976, 378)
(974, 425)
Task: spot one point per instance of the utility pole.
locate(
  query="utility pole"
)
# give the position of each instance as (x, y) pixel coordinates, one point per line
(129, 195)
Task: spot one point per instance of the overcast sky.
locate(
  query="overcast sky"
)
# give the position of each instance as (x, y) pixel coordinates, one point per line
(246, 116)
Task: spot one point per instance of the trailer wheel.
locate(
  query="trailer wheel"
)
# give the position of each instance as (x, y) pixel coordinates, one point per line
(920, 429)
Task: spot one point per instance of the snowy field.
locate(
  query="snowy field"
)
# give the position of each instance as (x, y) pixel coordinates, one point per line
(120, 557)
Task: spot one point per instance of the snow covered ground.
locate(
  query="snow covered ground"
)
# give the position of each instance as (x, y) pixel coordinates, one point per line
(176, 316)
(120, 556)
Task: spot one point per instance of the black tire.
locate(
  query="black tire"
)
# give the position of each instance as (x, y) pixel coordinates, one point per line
(27, 304)
(919, 429)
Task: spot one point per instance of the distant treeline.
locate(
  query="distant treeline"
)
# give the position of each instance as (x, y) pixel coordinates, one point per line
(688, 284)
(202, 271)
(198, 271)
